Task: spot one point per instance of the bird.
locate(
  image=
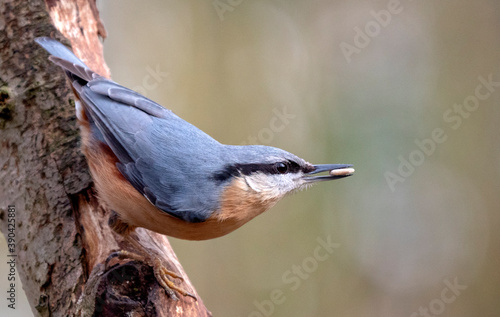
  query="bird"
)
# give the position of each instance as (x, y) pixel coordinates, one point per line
(155, 170)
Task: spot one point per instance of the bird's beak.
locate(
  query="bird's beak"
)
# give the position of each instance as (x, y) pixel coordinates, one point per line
(335, 171)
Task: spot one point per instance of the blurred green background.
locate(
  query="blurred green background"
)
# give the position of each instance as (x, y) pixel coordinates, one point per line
(361, 82)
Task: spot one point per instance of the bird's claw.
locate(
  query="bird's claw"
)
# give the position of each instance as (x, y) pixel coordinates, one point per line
(161, 274)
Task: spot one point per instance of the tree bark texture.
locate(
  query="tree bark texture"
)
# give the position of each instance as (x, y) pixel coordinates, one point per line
(61, 234)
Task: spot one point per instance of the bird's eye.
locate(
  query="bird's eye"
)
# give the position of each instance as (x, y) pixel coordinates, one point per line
(282, 168)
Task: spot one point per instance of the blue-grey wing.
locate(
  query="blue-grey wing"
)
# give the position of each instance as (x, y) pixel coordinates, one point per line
(150, 142)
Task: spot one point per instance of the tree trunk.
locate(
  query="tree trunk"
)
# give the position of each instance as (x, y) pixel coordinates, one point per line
(56, 228)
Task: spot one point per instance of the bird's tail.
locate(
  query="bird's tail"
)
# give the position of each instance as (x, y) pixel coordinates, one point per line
(59, 50)
(67, 60)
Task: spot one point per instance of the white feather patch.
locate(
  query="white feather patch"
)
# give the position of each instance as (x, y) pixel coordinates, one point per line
(79, 110)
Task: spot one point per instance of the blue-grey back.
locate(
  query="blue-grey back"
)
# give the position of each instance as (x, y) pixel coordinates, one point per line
(176, 166)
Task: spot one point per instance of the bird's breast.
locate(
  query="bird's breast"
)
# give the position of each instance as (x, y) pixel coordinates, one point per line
(240, 203)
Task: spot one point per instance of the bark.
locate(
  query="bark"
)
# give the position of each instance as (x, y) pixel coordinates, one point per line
(61, 233)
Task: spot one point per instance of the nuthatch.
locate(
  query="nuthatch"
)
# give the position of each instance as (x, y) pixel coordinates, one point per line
(161, 173)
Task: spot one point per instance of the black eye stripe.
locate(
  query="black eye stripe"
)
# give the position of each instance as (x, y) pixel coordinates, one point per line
(293, 167)
(248, 169)
(274, 168)
(228, 172)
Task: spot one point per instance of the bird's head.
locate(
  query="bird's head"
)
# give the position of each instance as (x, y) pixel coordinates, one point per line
(253, 178)
(271, 173)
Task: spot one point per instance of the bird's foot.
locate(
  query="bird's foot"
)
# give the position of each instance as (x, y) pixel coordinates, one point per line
(160, 271)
